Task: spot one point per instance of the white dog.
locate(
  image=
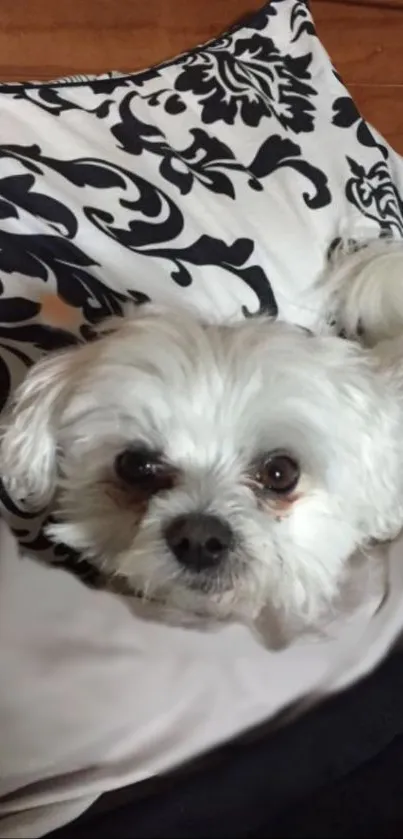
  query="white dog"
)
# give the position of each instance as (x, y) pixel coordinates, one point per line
(224, 468)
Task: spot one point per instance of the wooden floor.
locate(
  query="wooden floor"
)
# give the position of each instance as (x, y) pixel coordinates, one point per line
(44, 38)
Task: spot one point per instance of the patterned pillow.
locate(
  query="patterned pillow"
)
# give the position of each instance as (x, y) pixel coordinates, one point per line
(222, 177)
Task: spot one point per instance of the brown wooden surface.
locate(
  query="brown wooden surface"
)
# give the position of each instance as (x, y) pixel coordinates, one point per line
(365, 42)
(46, 38)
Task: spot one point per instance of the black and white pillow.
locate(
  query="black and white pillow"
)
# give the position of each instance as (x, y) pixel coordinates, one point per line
(222, 177)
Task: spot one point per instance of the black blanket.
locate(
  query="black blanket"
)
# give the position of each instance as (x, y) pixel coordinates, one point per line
(335, 772)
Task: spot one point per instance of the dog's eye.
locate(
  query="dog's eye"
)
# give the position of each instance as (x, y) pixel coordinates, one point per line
(279, 473)
(143, 469)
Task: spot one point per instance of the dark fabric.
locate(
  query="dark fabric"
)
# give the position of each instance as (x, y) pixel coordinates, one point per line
(338, 771)
(365, 803)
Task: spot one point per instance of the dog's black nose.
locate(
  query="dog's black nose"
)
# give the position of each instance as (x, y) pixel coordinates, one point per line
(199, 541)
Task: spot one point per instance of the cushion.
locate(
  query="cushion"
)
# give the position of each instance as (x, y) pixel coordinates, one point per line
(223, 178)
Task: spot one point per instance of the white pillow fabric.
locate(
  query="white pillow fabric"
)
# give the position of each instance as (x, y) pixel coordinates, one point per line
(94, 697)
(222, 178)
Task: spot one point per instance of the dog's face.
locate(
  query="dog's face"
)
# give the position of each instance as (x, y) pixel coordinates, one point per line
(221, 469)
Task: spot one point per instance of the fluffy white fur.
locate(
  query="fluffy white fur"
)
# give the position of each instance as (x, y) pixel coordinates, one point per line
(213, 398)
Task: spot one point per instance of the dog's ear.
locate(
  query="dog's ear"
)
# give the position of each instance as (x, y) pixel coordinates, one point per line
(381, 441)
(29, 434)
(362, 290)
(28, 445)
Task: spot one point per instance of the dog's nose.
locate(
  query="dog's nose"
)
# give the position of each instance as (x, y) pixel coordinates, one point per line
(199, 541)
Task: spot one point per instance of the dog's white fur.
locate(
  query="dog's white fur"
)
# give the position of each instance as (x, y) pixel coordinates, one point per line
(213, 398)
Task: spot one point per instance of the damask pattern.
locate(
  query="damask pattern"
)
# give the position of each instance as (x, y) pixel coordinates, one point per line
(222, 177)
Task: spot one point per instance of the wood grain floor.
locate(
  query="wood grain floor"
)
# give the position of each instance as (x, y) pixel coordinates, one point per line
(42, 39)
(365, 41)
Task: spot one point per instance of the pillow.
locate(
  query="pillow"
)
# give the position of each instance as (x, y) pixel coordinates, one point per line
(221, 178)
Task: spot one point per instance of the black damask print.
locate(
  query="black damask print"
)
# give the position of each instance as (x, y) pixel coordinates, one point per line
(5, 384)
(259, 21)
(23, 341)
(232, 258)
(110, 85)
(205, 160)
(67, 559)
(59, 261)
(42, 256)
(59, 264)
(33, 540)
(154, 217)
(250, 78)
(17, 191)
(35, 336)
(373, 193)
(256, 21)
(47, 98)
(151, 218)
(171, 102)
(276, 153)
(54, 98)
(301, 21)
(15, 309)
(59, 554)
(346, 114)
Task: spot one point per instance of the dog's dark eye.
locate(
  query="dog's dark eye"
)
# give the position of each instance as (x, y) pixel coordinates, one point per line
(278, 473)
(143, 469)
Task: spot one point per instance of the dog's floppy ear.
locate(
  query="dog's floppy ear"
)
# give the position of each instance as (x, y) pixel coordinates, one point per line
(28, 445)
(29, 433)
